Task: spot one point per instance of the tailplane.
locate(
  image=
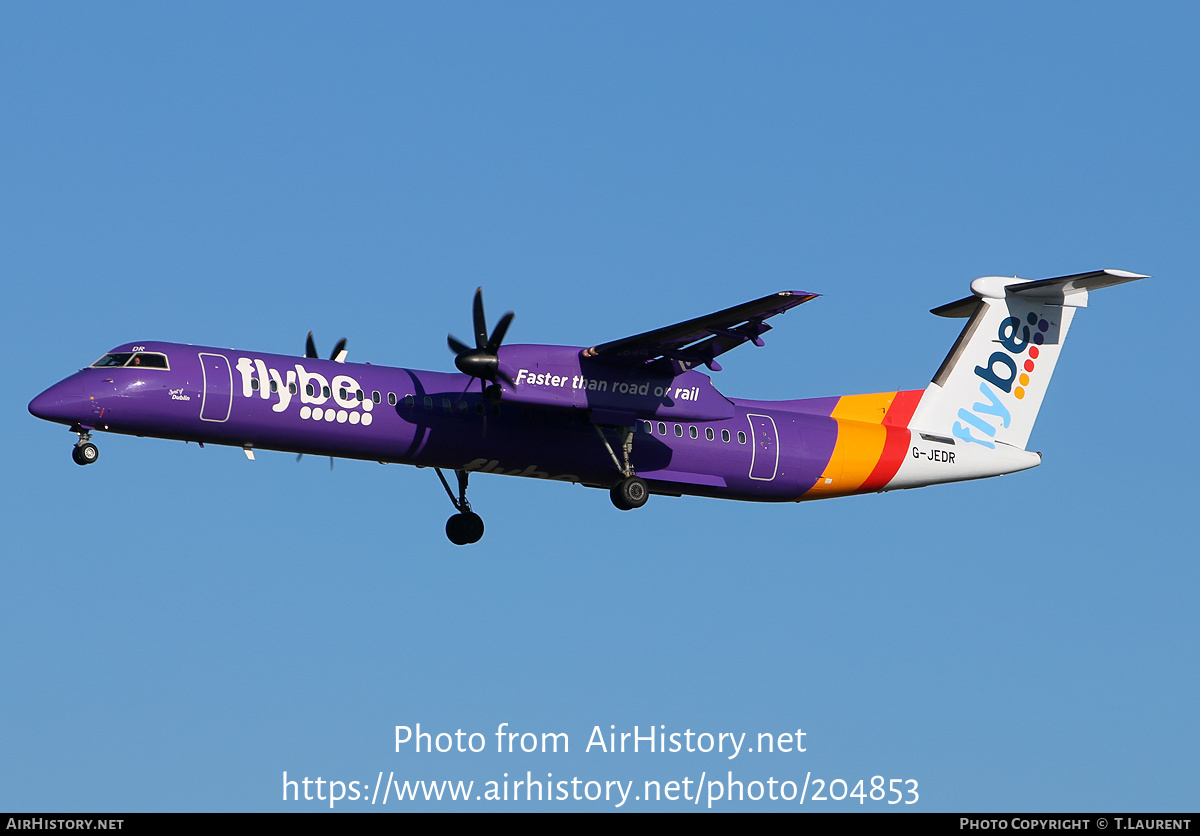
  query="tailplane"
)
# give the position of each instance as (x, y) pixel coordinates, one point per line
(990, 387)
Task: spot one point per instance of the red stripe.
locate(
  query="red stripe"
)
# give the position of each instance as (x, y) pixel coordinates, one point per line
(902, 408)
(895, 444)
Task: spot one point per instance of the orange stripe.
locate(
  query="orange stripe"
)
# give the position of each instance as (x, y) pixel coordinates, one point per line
(860, 441)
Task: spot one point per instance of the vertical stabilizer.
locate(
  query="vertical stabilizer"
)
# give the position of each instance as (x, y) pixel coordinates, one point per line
(990, 387)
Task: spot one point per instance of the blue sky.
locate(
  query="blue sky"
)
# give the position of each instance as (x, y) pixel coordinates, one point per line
(181, 626)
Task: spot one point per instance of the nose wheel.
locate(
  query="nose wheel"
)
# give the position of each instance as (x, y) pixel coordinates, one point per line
(85, 453)
(465, 527)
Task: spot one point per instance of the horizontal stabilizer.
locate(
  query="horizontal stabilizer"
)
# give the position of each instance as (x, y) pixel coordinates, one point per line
(1070, 290)
(1073, 284)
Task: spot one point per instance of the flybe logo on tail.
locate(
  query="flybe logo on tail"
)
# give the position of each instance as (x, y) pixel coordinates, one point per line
(313, 390)
(998, 376)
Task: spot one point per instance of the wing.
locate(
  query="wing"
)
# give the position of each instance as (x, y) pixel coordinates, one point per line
(698, 341)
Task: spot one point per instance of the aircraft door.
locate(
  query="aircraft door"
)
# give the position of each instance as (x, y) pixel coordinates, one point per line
(217, 402)
(764, 458)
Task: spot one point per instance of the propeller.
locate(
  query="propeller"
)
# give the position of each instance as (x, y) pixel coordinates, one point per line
(339, 350)
(482, 361)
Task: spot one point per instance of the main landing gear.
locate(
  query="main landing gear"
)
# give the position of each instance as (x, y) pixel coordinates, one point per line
(631, 492)
(465, 527)
(84, 452)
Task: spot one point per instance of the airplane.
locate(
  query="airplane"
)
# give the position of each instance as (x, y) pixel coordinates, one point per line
(634, 416)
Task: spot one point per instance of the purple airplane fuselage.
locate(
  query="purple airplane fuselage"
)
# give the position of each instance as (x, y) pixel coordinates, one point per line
(690, 439)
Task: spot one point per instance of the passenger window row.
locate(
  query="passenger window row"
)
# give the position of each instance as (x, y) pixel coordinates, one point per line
(693, 432)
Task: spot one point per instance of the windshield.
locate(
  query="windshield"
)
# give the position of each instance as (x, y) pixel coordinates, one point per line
(137, 359)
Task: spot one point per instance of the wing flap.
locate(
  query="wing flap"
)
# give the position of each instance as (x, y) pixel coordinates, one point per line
(700, 340)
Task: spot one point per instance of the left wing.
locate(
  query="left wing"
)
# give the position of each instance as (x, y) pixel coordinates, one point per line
(698, 341)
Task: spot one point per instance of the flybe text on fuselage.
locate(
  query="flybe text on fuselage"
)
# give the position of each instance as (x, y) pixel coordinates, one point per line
(312, 389)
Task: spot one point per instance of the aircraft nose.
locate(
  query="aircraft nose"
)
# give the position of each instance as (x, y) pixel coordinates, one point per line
(63, 403)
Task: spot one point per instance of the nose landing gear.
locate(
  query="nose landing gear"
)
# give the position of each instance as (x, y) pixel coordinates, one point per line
(465, 527)
(84, 452)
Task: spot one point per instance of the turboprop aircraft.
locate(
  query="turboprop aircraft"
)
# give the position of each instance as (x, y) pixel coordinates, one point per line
(633, 415)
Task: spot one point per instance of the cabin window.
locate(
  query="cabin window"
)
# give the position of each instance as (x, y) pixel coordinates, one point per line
(376, 398)
(648, 428)
(741, 437)
(254, 383)
(479, 408)
(693, 432)
(274, 386)
(445, 404)
(462, 406)
(725, 435)
(662, 428)
(309, 390)
(678, 431)
(709, 434)
(342, 393)
(428, 402)
(325, 392)
(292, 388)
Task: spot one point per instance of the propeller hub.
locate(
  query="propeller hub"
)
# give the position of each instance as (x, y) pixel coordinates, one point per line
(478, 363)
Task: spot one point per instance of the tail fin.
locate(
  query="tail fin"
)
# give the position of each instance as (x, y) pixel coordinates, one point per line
(990, 387)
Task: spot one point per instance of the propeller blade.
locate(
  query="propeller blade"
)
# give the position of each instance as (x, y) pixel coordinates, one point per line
(310, 347)
(339, 351)
(481, 337)
(482, 361)
(498, 335)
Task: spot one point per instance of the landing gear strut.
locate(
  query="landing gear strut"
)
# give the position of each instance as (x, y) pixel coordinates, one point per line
(465, 527)
(631, 492)
(84, 452)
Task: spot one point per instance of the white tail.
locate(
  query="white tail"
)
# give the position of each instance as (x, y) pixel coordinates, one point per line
(990, 387)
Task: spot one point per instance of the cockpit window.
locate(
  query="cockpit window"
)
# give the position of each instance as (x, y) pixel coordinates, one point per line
(135, 359)
(111, 360)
